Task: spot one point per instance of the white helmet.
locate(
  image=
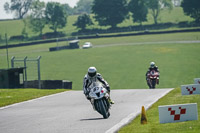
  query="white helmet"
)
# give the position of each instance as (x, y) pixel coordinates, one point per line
(152, 64)
(92, 71)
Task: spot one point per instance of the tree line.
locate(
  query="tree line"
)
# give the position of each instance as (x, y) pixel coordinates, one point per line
(106, 12)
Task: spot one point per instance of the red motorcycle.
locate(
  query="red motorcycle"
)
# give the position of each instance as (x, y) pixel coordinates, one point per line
(152, 79)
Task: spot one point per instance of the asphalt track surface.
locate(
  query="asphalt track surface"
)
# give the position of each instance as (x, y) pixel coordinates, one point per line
(70, 112)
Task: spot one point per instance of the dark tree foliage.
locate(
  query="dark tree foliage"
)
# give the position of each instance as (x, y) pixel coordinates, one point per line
(56, 16)
(155, 6)
(192, 8)
(83, 21)
(69, 10)
(37, 21)
(110, 12)
(139, 10)
(20, 7)
(83, 6)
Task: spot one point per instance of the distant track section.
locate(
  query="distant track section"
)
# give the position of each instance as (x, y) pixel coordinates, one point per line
(101, 36)
(111, 45)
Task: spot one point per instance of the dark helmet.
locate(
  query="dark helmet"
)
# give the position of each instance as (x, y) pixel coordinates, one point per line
(92, 71)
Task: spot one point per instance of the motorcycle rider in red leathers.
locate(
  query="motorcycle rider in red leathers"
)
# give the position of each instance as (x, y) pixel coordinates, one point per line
(152, 67)
(92, 76)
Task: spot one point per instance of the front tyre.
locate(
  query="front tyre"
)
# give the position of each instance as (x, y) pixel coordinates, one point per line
(154, 84)
(103, 109)
(149, 83)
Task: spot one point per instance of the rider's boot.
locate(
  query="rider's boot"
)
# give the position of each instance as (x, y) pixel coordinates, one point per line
(157, 80)
(109, 99)
(111, 102)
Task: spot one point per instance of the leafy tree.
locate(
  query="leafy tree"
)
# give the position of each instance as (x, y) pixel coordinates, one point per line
(83, 21)
(110, 12)
(20, 7)
(37, 19)
(192, 8)
(1, 39)
(83, 6)
(68, 9)
(24, 32)
(56, 16)
(156, 6)
(139, 10)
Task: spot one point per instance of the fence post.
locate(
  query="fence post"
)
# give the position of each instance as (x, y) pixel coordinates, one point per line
(12, 61)
(39, 78)
(25, 72)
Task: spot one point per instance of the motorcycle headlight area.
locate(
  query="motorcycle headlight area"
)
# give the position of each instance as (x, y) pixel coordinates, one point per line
(97, 92)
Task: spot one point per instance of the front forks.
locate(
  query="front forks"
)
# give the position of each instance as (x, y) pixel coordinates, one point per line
(92, 102)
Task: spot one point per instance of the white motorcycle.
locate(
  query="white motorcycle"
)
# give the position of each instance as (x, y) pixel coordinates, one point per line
(100, 99)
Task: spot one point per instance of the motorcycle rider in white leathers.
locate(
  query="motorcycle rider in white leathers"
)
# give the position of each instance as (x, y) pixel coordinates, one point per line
(93, 76)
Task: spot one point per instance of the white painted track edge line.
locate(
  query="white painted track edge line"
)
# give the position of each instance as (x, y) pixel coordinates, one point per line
(131, 117)
(31, 100)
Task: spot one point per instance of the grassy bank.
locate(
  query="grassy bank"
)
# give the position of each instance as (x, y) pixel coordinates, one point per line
(153, 125)
(11, 96)
(122, 65)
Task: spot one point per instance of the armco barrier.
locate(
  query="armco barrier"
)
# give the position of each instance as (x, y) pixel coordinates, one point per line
(50, 84)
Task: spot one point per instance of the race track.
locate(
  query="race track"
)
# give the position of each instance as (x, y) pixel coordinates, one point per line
(70, 112)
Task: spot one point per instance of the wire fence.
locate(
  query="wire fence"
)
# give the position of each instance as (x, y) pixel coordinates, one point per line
(32, 68)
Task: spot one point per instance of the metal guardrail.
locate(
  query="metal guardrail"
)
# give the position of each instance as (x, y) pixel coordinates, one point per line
(37, 60)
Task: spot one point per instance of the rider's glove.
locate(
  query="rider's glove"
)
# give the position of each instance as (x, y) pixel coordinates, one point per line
(108, 88)
(87, 96)
(87, 93)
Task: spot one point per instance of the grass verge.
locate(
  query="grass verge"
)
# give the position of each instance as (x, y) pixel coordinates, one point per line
(11, 96)
(153, 125)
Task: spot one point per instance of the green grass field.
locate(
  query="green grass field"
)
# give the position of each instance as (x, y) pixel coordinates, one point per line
(178, 63)
(11, 96)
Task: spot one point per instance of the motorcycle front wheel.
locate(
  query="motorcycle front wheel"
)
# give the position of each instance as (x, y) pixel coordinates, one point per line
(153, 82)
(101, 108)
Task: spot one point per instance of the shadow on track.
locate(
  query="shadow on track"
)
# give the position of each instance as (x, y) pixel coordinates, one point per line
(92, 119)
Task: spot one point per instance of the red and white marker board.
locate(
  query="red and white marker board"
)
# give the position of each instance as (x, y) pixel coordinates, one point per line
(190, 89)
(178, 113)
(197, 81)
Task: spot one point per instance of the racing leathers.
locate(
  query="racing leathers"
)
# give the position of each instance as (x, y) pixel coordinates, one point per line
(87, 81)
(155, 68)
